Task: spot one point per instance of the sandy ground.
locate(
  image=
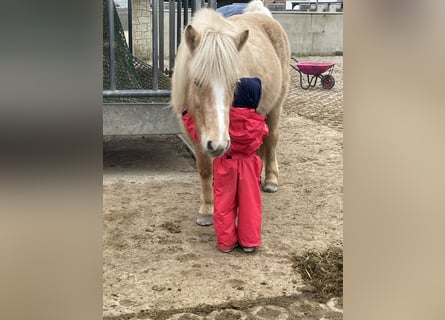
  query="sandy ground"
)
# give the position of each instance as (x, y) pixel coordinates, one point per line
(158, 264)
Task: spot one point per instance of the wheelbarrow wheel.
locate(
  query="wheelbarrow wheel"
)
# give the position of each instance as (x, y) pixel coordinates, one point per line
(327, 81)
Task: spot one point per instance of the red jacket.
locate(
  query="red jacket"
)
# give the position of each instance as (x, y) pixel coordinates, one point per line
(247, 129)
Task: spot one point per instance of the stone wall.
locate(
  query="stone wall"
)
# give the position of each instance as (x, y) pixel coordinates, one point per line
(142, 29)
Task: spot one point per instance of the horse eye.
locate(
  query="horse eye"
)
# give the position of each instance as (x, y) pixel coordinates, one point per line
(197, 83)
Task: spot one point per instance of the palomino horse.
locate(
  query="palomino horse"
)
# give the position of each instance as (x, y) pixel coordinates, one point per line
(214, 54)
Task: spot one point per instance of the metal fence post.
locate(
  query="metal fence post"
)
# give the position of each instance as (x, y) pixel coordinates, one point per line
(196, 5)
(112, 45)
(171, 34)
(212, 4)
(178, 24)
(186, 11)
(161, 35)
(155, 41)
(130, 25)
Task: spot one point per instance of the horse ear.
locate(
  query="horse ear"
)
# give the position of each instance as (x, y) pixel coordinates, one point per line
(192, 37)
(241, 39)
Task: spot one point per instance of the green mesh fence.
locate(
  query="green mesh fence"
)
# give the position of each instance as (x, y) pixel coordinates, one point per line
(131, 72)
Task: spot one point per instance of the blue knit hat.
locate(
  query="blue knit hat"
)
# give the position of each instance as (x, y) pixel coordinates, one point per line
(247, 93)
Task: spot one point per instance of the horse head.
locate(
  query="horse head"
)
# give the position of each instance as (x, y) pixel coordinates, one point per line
(213, 70)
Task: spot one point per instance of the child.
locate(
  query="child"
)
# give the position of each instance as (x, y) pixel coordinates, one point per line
(237, 173)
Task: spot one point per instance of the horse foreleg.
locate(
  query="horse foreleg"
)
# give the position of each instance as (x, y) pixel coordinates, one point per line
(205, 168)
(268, 152)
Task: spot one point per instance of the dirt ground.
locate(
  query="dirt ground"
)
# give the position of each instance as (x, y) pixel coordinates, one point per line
(158, 264)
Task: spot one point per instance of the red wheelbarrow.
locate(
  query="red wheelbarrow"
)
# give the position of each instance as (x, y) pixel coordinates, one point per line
(314, 70)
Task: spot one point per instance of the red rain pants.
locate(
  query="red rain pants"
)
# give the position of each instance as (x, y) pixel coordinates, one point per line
(237, 194)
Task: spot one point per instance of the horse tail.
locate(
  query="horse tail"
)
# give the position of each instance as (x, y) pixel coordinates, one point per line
(257, 6)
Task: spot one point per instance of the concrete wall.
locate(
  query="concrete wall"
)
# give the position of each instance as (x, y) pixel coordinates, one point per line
(313, 33)
(134, 118)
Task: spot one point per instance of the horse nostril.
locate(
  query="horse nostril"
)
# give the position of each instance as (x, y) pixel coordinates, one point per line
(209, 146)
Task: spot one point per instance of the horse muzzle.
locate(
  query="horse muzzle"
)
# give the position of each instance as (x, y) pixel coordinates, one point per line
(216, 149)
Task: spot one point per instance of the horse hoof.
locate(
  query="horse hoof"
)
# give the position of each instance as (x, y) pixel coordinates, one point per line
(270, 187)
(204, 219)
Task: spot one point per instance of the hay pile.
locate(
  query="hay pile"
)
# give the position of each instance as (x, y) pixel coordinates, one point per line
(323, 271)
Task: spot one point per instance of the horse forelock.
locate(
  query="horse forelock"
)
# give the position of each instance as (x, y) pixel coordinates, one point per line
(216, 58)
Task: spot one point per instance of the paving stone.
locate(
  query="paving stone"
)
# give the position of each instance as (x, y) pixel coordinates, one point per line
(227, 314)
(186, 316)
(270, 312)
